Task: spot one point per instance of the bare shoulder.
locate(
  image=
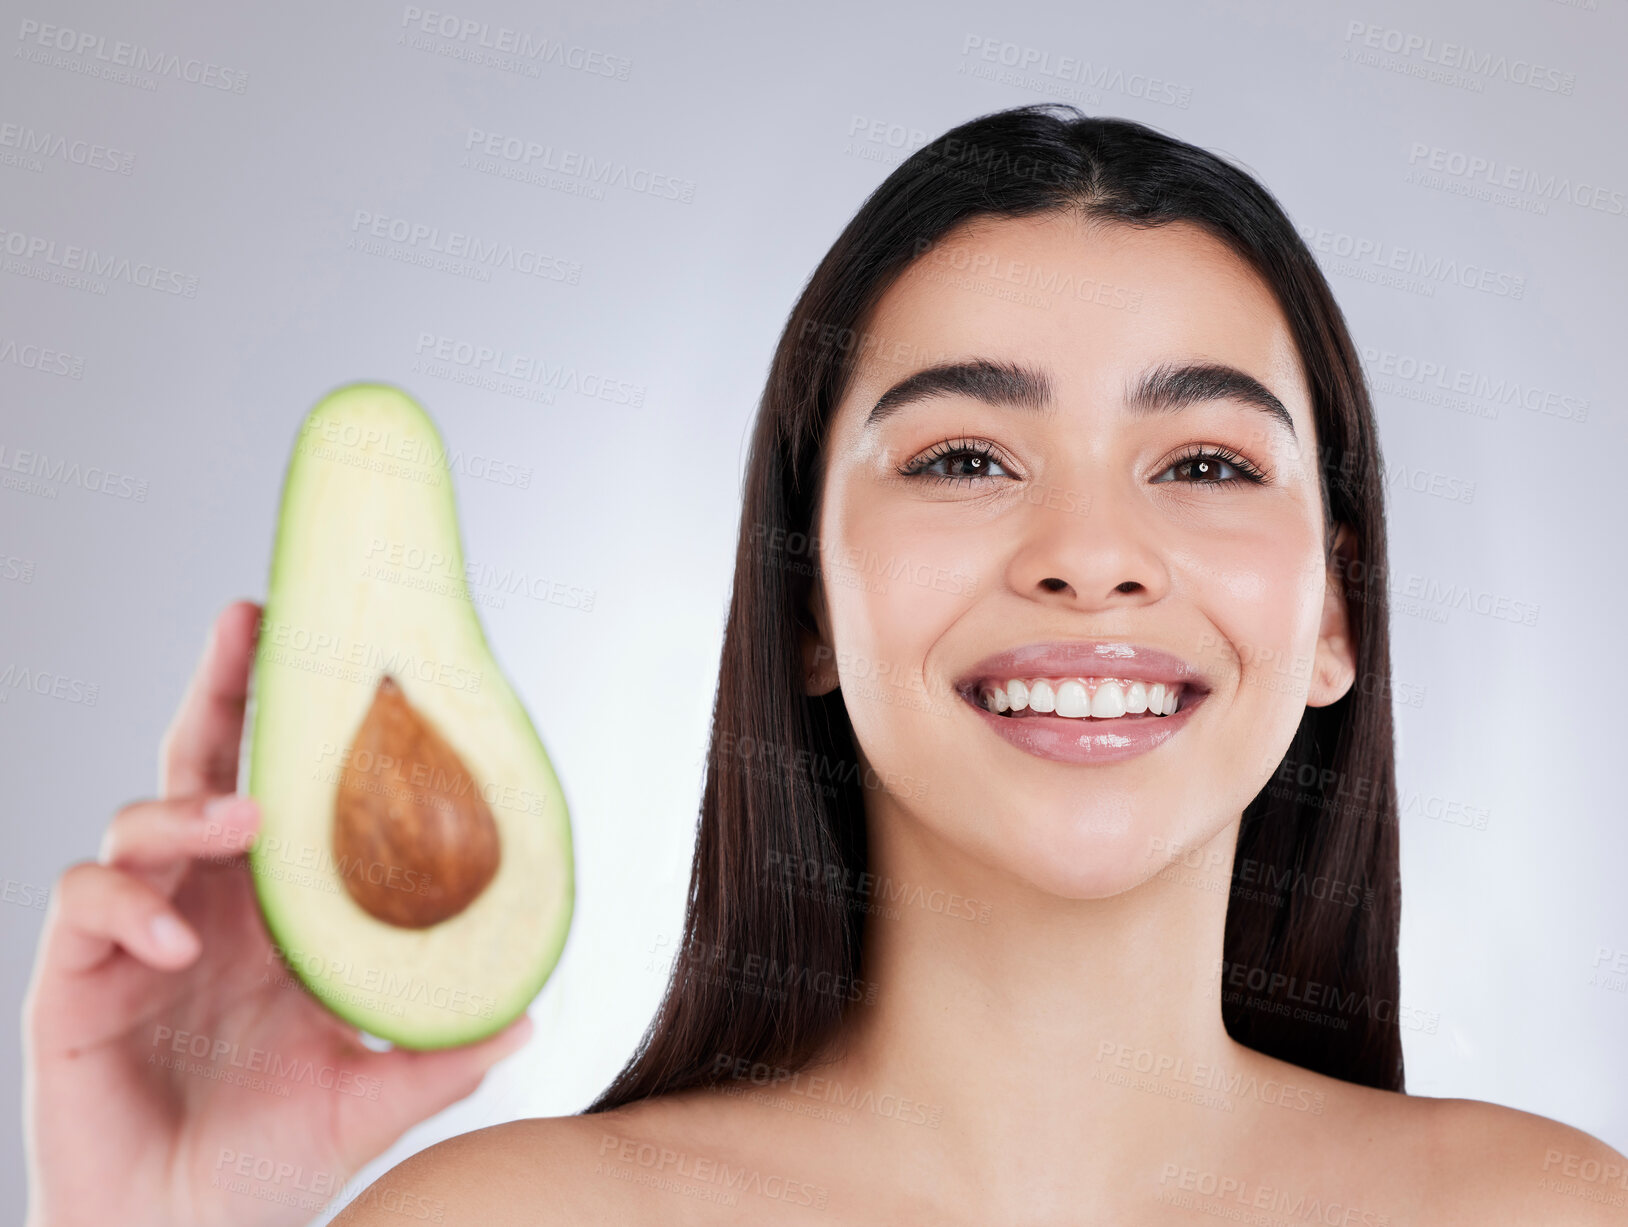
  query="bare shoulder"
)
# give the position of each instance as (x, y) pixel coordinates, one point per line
(540, 1171)
(1492, 1164)
(493, 1176)
(1418, 1159)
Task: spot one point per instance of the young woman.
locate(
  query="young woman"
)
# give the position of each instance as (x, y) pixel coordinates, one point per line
(1047, 864)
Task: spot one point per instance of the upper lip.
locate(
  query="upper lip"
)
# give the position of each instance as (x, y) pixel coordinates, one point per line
(1085, 658)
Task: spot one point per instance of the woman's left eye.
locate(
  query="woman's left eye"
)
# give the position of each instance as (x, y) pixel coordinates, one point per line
(1211, 467)
(959, 462)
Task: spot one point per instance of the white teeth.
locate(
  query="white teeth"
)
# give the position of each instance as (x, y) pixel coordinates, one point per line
(1073, 699)
(1108, 701)
(1076, 699)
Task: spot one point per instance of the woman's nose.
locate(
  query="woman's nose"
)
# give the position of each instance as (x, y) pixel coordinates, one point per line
(1096, 549)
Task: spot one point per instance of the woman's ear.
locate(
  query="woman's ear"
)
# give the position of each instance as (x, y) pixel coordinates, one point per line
(819, 659)
(1334, 667)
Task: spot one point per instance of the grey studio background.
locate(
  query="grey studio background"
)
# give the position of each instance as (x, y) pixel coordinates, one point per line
(649, 185)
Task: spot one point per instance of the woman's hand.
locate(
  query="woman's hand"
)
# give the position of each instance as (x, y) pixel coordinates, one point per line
(175, 1073)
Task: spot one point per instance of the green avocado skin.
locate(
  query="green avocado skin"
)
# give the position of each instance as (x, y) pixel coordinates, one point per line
(410, 987)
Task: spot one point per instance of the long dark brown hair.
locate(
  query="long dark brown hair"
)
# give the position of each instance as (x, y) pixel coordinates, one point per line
(766, 966)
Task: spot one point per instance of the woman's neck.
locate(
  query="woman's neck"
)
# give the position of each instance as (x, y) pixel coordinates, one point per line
(1026, 1023)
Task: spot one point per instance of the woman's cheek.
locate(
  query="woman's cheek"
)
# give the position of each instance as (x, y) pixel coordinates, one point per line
(892, 613)
(892, 597)
(1268, 619)
(904, 580)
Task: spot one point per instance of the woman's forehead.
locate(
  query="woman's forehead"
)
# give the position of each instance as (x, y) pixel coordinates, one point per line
(1094, 305)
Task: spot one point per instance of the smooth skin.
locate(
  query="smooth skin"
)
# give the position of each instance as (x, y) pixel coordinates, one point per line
(156, 992)
(998, 1074)
(995, 1075)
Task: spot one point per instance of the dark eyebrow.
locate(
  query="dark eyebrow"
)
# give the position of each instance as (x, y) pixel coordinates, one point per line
(1164, 389)
(994, 383)
(1174, 385)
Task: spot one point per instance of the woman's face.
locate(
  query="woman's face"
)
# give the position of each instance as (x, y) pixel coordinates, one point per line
(1036, 507)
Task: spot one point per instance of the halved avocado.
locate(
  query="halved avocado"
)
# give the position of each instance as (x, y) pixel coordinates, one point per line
(414, 860)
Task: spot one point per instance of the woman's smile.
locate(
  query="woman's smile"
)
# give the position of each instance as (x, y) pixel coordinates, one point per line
(1090, 738)
(1084, 702)
(1081, 698)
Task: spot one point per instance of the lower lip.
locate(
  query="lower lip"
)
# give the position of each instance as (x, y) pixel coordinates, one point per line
(1087, 740)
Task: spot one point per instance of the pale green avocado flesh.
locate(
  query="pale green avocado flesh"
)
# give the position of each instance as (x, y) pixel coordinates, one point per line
(367, 579)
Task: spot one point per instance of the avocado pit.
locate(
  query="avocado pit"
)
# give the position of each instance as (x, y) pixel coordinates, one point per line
(415, 855)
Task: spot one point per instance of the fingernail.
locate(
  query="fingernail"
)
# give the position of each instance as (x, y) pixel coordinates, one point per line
(233, 808)
(170, 934)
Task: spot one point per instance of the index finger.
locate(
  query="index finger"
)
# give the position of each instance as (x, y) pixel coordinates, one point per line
(199, 751)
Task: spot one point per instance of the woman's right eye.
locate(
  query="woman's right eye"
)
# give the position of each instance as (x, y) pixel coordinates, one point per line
(957, 462)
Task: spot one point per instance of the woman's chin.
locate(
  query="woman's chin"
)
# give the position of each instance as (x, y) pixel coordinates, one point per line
(1074, 863)
(1089, 878)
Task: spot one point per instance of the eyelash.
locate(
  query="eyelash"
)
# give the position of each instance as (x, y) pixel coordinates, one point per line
(1249, 473)
(951, 447)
